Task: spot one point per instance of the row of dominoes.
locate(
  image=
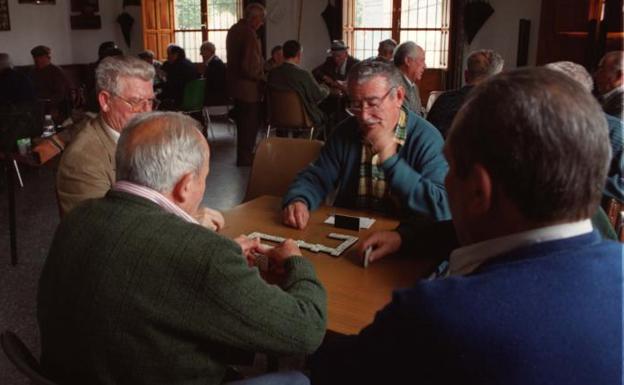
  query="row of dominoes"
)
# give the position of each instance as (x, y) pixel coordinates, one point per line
(348, 241)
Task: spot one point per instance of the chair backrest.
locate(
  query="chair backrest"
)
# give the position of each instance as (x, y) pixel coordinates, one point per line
(286, 110)
(276, 163)
(194, 92)
(22, 358)
(433, 95)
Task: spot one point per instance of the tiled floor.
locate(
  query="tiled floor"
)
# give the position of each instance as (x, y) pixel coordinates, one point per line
(37, 218)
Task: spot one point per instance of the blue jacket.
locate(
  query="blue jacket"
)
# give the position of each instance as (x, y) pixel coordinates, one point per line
(415, 174)
(549, 313)
(615, 178)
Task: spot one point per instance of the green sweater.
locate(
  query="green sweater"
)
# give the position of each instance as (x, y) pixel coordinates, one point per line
(130, 294)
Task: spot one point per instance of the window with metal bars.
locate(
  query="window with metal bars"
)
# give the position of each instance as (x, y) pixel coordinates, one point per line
(426, 22)
(199, 20)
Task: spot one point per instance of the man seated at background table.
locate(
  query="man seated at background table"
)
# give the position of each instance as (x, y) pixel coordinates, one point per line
(134, 291)
(87, 167)
(289, 76)
(383, 158)
(51, 84)
(532, 289)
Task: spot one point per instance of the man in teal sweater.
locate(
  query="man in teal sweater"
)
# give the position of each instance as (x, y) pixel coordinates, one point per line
(134, 291)
(384, 158)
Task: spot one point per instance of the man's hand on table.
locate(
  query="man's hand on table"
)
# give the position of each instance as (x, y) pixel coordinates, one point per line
(209, 218)
(383, 243)
(296, 215)
(280, 254)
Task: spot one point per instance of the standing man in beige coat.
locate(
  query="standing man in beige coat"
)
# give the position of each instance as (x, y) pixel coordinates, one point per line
(245, 77)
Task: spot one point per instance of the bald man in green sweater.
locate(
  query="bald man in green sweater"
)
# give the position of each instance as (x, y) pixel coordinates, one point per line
(135, 291)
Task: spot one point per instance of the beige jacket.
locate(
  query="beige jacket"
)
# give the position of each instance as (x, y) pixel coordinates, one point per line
(245, 65)
(87, 167)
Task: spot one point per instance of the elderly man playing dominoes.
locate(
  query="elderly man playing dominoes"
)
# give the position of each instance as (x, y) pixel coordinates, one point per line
(533, 295)
(135, 291)
(384, 157)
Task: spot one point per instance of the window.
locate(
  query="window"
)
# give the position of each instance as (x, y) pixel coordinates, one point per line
(199, 20)
(426, 22)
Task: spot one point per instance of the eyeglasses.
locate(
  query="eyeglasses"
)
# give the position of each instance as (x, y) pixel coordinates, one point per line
(140, 105)
(372, 104)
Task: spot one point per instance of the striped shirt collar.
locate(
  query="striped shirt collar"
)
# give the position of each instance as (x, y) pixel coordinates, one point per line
(153, 196)
(465, 260)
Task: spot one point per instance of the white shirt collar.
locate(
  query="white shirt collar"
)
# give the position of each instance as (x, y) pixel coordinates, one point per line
(153, 196)
(114, 134)
(411, 83)
(612, 92)
(465, 260)
(209, 59)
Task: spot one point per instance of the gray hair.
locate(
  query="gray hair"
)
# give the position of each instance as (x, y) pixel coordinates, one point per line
(483, 63)
(615, 60)
(207, 46)
(575, 71)
(111, 69)
(542, 138)
(386, 46)
(405, 50)
(173, 149)
(254, 10)
(366, 70)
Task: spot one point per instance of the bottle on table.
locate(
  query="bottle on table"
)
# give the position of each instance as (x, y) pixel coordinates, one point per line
(48, 126)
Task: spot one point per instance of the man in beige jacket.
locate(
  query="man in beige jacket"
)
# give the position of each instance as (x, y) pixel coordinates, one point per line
(245, 77)
(87, 167)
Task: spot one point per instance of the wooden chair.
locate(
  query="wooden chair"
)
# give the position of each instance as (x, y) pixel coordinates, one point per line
(615, 212)
(22, 358)
(277, 162)
(286, 111)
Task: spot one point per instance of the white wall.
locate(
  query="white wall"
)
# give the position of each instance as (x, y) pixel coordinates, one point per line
(500, 31)
(281, 25)
(32, 25)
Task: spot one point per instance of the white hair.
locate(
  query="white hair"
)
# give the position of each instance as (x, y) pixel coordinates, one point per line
(111, 69)
(173, 149)
(207, 46)
(575, 71)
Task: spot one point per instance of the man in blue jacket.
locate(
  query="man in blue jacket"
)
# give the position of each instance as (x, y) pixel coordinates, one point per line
(384, 157)
(533, 295)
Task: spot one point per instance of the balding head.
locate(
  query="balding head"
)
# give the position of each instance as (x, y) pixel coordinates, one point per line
(482, 64)
(609, 74)
(157, 149)
(254, 15)
(539, 140)
(575, 71)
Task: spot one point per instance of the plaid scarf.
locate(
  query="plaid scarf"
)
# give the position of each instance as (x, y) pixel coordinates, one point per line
(373, 192)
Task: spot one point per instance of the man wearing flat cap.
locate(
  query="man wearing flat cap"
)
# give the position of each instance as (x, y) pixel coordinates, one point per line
(51, 83)
(336, 66)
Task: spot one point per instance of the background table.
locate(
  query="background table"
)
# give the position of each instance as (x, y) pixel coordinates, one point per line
(354, 293)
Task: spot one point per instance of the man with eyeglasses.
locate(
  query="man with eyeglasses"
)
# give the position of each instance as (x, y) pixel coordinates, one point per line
(87, 169)
(384, 157)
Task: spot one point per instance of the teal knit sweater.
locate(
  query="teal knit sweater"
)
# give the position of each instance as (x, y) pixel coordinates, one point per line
(130, 294)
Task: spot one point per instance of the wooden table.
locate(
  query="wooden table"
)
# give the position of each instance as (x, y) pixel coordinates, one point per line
(354, 294)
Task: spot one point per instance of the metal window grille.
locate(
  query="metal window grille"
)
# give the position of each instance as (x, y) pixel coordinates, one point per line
(426, 22)
(199, 20)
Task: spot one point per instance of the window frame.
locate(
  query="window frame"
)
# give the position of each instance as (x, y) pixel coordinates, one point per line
(204, 17)
(349, 29)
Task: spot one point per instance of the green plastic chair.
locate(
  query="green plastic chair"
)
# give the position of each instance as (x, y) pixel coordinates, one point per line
(193, 100)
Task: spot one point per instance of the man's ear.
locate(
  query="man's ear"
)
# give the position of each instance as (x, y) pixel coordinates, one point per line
(400, 94)
(104, 99)
(479, 190)
(182, 189)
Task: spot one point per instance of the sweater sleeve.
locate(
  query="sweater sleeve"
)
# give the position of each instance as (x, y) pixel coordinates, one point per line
(321, 177)
(247, 313)
(417, 172)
